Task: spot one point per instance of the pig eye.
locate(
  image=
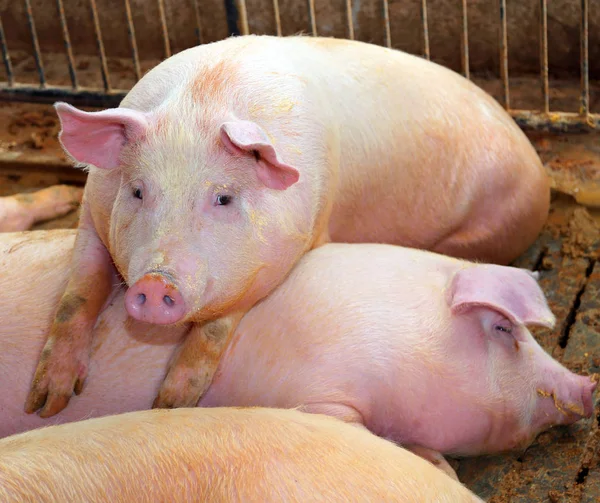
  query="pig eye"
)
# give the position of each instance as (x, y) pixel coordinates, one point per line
(223, 200)
(256, 155)
(137, 193)
(502, 328)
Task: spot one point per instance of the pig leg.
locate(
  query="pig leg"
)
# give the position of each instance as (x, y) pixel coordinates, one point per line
(340, 411)
(194, 364)
(434, 457)
(20, 211)
(63, 363)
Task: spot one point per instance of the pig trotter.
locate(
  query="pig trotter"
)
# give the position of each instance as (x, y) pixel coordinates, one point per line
(193, 367)
(60, 372)
(434, 457)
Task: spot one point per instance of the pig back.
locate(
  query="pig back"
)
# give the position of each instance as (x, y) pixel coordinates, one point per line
(220, 454)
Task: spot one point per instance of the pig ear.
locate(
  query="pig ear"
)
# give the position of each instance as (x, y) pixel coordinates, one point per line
(98, 137)
(250, 138)
(511, 291)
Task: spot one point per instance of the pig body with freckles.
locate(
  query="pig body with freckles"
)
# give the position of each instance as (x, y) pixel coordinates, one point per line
(222, 454)
(229, 161)
(423, 349)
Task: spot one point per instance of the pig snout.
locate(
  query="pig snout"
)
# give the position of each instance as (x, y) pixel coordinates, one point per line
(569, 402)
(155, 298)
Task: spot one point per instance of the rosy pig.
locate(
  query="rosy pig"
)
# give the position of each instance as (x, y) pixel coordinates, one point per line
(221, 454)
(20, 212)
(420, 348)
(228, 161)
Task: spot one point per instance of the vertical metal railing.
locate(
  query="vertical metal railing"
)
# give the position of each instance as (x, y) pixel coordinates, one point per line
(504, 54)
(386, 24)
(425, 25)
(544, 118)
(349, 19)
(312, 18)
(243, 12)
(277, 17)
(6, 57)
(465, 41)
(36, 45)
(544, 55)
(163, 25)
(584, 109)
(198, 22)
(67, 42)
(100, 44)
(132, 41)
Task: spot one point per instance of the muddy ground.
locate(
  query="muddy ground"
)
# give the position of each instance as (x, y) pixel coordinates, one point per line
(563, 465)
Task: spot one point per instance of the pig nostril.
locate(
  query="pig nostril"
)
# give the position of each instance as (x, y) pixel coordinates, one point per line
(168, 301)
(141, 298)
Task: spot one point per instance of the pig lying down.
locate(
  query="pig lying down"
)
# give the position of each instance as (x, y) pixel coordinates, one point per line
(228, 161)
(426, 350)
(20, 212)
(220, 454)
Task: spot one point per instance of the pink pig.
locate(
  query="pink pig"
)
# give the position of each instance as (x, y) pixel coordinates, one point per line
(423, 349)
(229, 161)
(216, 455)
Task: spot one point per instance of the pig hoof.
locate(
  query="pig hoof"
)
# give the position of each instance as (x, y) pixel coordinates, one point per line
(181, 388)
(56, 378)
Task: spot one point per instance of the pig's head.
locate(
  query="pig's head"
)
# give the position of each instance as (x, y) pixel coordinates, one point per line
(526, 390)
(208, 218)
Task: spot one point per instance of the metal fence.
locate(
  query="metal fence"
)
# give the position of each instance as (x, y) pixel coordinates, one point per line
(107, 95)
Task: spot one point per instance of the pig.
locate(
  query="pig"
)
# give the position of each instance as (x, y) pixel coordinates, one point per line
(220, 454)
(19, 212)
(422, 349)
(227, 162)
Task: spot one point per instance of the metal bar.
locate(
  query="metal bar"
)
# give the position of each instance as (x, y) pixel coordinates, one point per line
(101, 54)
(465, 41)
(36, 46)
(584, 109)
(556, 122)
(241, 5)
(277, 17)
(67, 42)
(198, 21)
(425, 28)
(504, 53)
(544, 54)
(81, 96)
(6, 56)
(349, 19)
(312, 17)
(132, 41)
(165, 31)
(386, 24)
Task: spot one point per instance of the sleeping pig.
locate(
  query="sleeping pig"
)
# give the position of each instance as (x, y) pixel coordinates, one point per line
(216, 455)
(426, 350)
(229, 161)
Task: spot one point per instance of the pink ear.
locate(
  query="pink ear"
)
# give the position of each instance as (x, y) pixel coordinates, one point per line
(248, 137)
(99, 137)
(511, 291)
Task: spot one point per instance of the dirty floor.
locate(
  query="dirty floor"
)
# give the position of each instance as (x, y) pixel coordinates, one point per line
(563, 464)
